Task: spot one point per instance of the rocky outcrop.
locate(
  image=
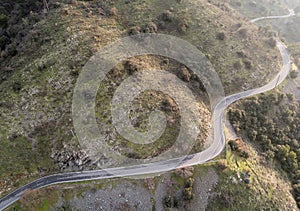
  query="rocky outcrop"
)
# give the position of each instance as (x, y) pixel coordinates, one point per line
(72, 160)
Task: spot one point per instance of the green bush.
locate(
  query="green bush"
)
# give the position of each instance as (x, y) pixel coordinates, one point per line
(3, 21)
(170, 202)
(189, 182)
(294, 74)
(274, 126)
(188, 194)
(290, 96)
(221, 36)
(4, 41)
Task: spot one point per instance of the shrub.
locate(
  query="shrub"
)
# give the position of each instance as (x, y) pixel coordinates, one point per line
(271, 42)
(184, 74)
(294, 74)
(238, 146)
(4, 40)
(243, 32)
(170, 202)
(248, 63)
(134, 30)
(188, 194)
(221, 36)
(131, 66)
(222, 164)
(113, 12)
(243, 153)
(290, 96)
(238, 65)
(17, 86)
(12, 49)
(3, 21)
(296, 188)
(241, 54)
(183, 26)
(166, 16)
(189, 182)
(151, 28)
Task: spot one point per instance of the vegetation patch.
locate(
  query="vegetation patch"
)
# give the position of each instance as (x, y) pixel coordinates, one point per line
(271, 121)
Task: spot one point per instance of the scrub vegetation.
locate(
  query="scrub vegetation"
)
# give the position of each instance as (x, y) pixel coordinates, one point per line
(44, 47)
(271, 121)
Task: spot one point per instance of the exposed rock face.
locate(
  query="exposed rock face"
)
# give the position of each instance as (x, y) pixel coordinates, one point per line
(72, 160)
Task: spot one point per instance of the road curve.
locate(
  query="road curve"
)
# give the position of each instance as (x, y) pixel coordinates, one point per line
(292, 13)
(158, 167)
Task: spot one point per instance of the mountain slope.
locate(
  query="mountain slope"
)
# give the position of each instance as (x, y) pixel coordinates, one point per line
(43, 53)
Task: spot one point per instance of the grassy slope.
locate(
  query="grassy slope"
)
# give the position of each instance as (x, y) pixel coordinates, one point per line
(261, 194)
(272, 133)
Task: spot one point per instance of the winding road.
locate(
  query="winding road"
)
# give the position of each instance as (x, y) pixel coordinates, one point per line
(159, 167)
(292, 13)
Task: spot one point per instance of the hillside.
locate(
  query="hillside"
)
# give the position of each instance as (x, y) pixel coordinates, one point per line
(287, 28)
(43, 52)
(254, 9)
(276, 140)
(269, 121)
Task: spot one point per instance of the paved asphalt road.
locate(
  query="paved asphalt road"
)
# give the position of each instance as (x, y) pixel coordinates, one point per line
(158, 167)
(292, 13)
